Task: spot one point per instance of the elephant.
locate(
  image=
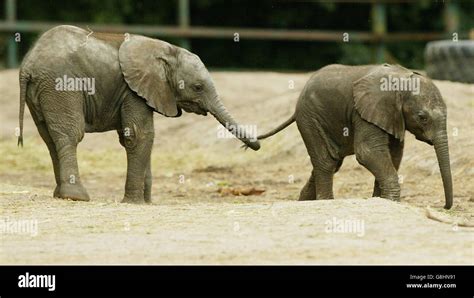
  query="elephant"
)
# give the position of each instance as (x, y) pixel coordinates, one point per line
(75, 82)
(365, 110)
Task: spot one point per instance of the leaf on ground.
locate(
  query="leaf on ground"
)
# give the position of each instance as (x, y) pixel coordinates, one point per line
(240, 191)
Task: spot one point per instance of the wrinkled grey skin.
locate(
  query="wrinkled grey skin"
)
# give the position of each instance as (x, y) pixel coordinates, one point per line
(134, 76)
(343, 111)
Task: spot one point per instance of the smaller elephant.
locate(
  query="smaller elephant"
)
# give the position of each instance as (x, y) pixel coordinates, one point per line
(365, 110)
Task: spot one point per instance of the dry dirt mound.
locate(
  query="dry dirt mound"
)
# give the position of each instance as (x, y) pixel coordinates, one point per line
(323, 232)
(191, 222)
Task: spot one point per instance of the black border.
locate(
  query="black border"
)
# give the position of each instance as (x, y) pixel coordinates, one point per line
(290, 281)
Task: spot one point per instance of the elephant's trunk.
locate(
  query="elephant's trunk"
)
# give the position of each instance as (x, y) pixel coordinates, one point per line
(217, 109)
(442, 153)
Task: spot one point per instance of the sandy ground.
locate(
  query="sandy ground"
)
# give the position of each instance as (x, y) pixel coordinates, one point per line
(190, 222)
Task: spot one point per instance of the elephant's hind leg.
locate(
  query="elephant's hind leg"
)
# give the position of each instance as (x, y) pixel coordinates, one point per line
(71, 186)
(44, 133)
(309, 189)
(65, 124)
(319, 185)
(323, 178)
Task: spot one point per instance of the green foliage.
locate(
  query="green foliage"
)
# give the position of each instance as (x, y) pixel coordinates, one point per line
(419, 16)
(355, 54)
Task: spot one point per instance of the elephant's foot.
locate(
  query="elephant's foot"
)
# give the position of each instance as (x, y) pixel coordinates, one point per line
(147, 196)
(56, 192)
(325, 198)
(390, 189)
(307, 196)
(391, 198)
(308, 192)
(75, 192)
(377, 192)
(148, 199)
(310, 196)
(133, 197)
(134, 200)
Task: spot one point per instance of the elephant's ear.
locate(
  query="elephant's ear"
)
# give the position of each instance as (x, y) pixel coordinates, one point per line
(145, 63)
(377, 103)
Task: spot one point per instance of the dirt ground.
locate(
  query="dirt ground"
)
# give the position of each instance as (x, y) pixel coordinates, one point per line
(189, 222)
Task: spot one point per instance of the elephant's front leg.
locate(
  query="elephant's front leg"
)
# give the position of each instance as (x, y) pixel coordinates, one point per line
(137, 136)
(377, 192)
(138, 159)
(371, 146)
(380, 165)
(396, 153)
(148, 182)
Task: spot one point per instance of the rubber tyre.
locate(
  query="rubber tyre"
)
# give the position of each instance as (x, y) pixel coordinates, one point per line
(450, 60)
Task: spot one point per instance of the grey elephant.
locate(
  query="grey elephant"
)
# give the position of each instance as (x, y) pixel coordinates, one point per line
(365, 110)
(75, 81)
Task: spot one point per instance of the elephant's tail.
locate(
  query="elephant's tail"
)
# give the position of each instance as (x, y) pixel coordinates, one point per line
(277, 129)
(24, 79)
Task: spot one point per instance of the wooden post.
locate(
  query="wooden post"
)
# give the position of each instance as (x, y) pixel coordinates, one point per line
(183, 21)
(12, 46)
(379, 27)
(451, 17)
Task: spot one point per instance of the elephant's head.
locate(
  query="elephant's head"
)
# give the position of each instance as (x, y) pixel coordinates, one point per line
(395, 98)
(170, 78)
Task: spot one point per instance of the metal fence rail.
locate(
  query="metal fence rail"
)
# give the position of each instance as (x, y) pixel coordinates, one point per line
(378, 36)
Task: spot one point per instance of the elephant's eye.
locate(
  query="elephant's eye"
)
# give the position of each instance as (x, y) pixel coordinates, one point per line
(197, 87)
(422, 117)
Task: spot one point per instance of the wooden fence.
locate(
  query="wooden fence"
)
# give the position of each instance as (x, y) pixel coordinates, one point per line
(184, 30)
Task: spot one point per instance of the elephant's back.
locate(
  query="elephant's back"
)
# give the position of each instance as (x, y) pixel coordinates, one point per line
(55, 44)
(70, 54)
(67, 47)
(332, 85)
(338, 75)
